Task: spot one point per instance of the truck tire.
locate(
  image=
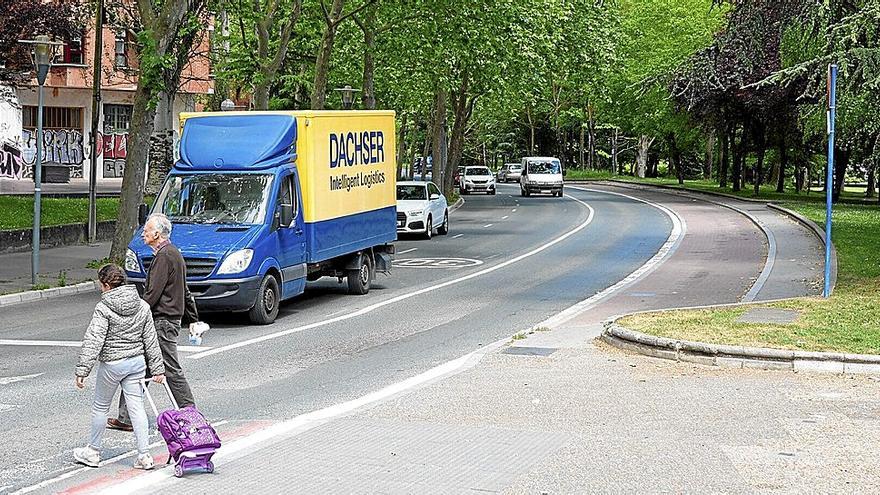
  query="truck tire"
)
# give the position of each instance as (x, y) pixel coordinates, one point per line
(444, 229)
(360, 279)
(265, 308)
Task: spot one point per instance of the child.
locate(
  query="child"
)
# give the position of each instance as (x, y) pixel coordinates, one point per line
(119, 338)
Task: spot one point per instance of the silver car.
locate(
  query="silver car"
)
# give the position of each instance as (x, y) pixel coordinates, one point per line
(510, 172)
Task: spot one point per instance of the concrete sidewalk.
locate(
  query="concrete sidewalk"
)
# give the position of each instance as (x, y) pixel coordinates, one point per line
(558, 412)
(67, 264)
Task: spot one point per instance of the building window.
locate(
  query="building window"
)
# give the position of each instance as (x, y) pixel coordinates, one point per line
(73, 50)
(53, 117)
(121, 49)
(117, 118)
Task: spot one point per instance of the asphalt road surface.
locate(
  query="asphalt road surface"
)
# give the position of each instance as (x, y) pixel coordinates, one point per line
(507, 264)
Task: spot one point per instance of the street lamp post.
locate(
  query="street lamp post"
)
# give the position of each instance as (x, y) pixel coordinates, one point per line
(43, 51)
(347, 96)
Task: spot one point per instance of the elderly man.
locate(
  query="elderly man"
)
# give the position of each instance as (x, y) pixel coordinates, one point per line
(166, 293)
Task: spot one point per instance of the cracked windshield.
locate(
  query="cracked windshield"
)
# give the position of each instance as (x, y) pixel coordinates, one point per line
(216, 198)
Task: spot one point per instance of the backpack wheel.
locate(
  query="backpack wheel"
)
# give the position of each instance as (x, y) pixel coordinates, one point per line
(178, 470)
(209, 467)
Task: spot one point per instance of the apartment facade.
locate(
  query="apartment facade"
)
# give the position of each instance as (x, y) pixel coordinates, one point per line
(67, 109)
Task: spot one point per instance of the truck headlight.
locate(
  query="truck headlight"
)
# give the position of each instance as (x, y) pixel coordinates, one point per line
(236, 262)
(131, 262)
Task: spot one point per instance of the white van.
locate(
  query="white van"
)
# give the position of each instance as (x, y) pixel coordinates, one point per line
(541, 174)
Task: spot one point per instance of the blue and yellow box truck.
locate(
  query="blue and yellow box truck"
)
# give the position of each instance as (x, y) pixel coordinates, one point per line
(261, 202)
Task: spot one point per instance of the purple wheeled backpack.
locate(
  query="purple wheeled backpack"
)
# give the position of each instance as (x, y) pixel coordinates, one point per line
(191, 440)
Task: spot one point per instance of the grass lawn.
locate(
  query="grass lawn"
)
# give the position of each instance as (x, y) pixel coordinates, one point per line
(847, 322)
(17, 212)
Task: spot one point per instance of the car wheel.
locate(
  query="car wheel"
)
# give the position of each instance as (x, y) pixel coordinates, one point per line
(265, 308)
(492, 192)
(429, 228)
(360, 279)
(444, 229)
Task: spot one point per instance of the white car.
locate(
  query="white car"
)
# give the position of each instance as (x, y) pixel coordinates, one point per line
(477, 179)
(421, 208)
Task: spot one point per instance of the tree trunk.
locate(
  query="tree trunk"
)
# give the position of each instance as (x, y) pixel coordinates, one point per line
(675, 158)
(438, 136)
(425, 150)
(269, 65)
(368, 26)
(531, 130)
(783, 165)
(591, 127)
(710, 155)
(401, 146)
(725, 158)
(760, 142)
(463, 108)
(872, 181)
(739, 152)
(841, 163)
(581, 148)
(642, 156)
(325, 50)
(142, 118)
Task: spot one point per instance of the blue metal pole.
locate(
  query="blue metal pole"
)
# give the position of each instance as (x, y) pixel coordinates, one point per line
(38, 182)
(829, 179)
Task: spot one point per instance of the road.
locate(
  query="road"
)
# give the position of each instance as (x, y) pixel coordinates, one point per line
(327, 347)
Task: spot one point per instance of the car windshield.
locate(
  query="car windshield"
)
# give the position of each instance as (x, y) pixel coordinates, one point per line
(411, 192)
(545, 167)
(216, 198)
(515, 168)
(477, 171)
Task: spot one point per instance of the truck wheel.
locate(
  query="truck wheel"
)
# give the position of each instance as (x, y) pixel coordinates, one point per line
(429, 228)
(444, 229)
(265, 308)
(359, 279)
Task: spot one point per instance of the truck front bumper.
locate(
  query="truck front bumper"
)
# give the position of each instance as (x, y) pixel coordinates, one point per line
(220, 294)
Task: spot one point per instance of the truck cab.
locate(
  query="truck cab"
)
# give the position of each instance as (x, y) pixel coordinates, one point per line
(541, 174)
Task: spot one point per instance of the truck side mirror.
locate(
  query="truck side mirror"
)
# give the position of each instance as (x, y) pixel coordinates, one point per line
(143, 209)
(564, 172)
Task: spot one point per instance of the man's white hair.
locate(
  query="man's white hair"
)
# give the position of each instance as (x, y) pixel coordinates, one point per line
(161, 224)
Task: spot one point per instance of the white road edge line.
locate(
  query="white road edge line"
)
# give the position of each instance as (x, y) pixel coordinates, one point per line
(457, 236)
(488, 225)
(294, 426)
(83, 469)
(407, 251)
(76, 343)
(402, 297)
(679, 228)
(6, 380)
(505, 217)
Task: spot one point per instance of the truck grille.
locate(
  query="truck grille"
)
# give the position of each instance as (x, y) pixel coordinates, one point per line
(195, 267)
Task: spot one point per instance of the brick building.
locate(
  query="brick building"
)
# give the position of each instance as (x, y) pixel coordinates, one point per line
(67, 112)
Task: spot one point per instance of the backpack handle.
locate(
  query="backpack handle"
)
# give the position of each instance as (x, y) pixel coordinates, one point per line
(149, 397)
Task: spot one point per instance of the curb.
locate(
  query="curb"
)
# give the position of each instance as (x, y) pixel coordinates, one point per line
(816, 230)
(38, 295)
(738, 356)
(458, 204)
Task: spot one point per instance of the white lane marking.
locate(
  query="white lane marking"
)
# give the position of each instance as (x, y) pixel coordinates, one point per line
(457, 236)
(676, 235)
(7, 407)
(488, 225)
(513, 210)
(84, 469)
(768, 265)
(407, 251)
(6, 380)
(285, 429)
(505, 217)
(404, 297)
(76, 343)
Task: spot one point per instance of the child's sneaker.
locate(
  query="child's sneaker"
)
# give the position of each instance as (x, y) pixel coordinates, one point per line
(87, 455)
(144, 461)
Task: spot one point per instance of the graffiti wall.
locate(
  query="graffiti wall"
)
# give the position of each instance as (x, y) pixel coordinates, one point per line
(64, 146)
(11, 164)
(114, 150)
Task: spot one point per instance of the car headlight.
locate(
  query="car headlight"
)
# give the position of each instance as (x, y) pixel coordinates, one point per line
(236, 262)
(131, 262)
(416, 213)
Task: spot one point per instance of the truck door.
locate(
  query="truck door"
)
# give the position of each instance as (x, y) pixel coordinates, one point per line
(291, 250)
